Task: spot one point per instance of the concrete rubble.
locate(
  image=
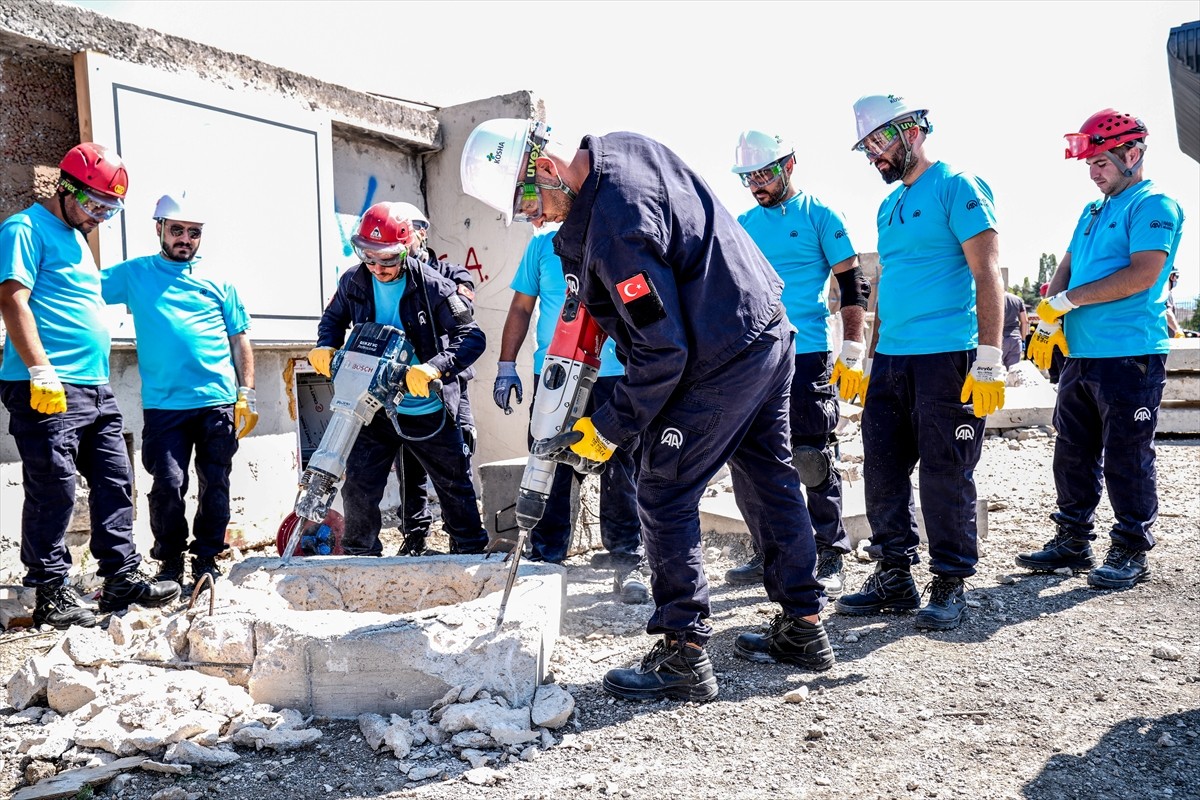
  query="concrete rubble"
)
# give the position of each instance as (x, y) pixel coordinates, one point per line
(166, 692)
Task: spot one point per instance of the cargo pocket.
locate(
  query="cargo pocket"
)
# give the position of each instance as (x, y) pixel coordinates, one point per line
(680, 439)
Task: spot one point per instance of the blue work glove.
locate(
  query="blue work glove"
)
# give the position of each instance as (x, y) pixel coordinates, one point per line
(507, 380)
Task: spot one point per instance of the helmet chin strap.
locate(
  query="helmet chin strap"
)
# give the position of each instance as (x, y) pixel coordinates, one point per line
(1127, 171)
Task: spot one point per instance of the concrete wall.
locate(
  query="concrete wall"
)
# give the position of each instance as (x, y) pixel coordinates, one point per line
(382, 150)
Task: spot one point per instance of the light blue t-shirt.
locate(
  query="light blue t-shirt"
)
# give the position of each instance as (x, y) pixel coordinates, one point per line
(387, 312)
(802, 238)
(926, 290)
(1138, 219)
(53, 261)
(183, 322)
(540, 275)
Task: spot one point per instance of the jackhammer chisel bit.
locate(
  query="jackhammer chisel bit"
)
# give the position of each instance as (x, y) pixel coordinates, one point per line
(514, 561)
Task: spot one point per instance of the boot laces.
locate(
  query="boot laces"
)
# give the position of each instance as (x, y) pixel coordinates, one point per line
(64, 597)
(830, 563)
(941, 589)
(1119, 555)
(1061, 538)
(757, 559)
(659, 653)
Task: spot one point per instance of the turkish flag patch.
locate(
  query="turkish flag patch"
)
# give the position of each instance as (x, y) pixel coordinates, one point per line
(641, 300)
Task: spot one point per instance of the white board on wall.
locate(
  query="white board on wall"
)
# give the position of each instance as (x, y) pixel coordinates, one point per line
(262, 167)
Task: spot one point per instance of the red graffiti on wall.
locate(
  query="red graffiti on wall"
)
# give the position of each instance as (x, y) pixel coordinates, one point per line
(472, 263)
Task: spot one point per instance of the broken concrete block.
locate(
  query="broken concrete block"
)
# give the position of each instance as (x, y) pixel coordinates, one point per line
(105, 732)
(372, 726)
(89, 647)
(227, 701)
(120, 631)
(29, 682)
(279, 740)
(167, 769)
(505, 725)
(398, 738)
(171, 728)
(222, 639)
(71, 782)
(186, 752)
(69, 688)
(48, 742)
(552, 706)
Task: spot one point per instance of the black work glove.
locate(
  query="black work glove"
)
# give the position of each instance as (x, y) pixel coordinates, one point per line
(558, 448)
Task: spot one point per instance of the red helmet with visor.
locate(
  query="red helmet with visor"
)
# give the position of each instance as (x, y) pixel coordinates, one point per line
(384, 235)
(1104, 131)
(97, 177)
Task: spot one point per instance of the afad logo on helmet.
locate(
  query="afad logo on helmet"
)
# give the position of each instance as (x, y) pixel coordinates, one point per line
(377, 234)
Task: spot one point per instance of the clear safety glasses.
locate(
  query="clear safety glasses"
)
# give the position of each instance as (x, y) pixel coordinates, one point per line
(761, 177)
(527, 202)
(389, 257)
(879, 141)
(96, 206)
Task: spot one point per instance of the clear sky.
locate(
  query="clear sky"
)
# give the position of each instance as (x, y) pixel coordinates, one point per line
(1003, 82)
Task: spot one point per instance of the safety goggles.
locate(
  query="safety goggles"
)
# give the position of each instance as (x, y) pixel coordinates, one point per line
(880, 140)
(193, 233)
(96, 206)
(1082, 145)
(527, 202)
(762, 177)
(388, 257)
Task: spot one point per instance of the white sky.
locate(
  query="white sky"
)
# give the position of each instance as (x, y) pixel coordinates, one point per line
(1003, 81)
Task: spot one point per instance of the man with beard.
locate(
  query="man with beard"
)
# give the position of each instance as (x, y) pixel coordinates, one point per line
(54, 383)
(695, 311)
(197, 371)
(805, 241)
(937, 368)
(1107, 301)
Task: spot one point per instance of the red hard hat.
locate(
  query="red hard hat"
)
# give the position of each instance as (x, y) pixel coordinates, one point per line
(1104, 131)
(384, 229)
(1044, 288)
(97, 168)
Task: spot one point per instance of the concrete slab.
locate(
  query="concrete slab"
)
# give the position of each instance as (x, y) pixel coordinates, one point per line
(1179, 419)
(1184, 355)
(392, 635)
(1182, 387)
(721, 522)
(1025, 407)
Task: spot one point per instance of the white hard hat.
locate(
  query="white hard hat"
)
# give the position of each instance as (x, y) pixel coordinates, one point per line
(873, 111)
(756, 150)
(493, 158)
(179, 206)
(411, 213)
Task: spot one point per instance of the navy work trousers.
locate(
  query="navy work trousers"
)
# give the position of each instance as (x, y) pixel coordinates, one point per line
(1106, 413)
(169, 438)
(620, 530)
(443, 455)
(87, 439)
(739, 415)
(913, 415)
(815, 414)
(414, 510)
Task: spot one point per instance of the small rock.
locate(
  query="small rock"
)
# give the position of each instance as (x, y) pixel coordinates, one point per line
(171, 793)
(1065, 571)
(530, 753)
(423, 773)
(1165, 740)
(1006, 580)
(815, 732)
(482, 776)
(850, 638)
(38, 770)
(1148, 677)
(797, 695)
(1167, 652)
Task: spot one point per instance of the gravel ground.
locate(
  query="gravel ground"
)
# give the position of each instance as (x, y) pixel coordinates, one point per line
(1049, 689)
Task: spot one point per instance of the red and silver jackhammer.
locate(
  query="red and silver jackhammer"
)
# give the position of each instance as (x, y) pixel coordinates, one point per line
(568, 374)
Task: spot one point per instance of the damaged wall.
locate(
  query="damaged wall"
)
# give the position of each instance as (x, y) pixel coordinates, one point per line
(382, 150)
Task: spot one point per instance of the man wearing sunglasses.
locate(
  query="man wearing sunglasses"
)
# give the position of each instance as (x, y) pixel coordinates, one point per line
(937, 369)
(806, 241)
(442, 340)
(1106, 311)
(695, 311)
(54, 383)
(197, 371)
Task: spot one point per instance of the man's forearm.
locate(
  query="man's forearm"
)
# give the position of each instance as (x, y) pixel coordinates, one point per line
(21, 329)
(516, 328)
(852, 323)
(243, 359)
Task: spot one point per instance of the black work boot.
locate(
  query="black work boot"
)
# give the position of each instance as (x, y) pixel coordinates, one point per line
(829, 571)
(946, 605)
(750, 572)
(888, 588)
(1064, 550)
(122, 591)
(60, 607)
(413, 544)
(1122, 568)
(205, 565)
(673, 669)
(789, 640)
(170, 569)
(631, 584)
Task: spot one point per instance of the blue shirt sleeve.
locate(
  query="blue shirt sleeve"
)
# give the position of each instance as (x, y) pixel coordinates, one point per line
(970, 206)
(832, 233)
(19, 255)
(114, 284)
(1154, 224)
(236, 319)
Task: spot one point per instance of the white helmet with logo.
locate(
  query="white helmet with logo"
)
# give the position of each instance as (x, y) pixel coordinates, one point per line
(756, 150)
(873, 111)
(493, 159)
(412, 213)
(179, 206)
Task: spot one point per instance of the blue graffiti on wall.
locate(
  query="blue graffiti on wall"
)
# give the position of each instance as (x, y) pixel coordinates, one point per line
(346, 223)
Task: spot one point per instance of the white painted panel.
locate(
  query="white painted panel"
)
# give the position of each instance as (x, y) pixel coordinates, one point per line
(262, 166)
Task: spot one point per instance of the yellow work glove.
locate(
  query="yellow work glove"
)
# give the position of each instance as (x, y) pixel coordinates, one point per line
(582, 447)
(591, 445)
(1045, 338)
(245, 415)
(418, 379)
(984, 385)
(320, 358)
(1179, 334)
(1052, 309)
(848, 371)
(46, 395)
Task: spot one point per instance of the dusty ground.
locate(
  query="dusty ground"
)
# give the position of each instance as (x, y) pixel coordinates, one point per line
(1049, 690)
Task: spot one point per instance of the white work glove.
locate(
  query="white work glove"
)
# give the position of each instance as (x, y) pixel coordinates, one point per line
(46, 394)
(984, 385)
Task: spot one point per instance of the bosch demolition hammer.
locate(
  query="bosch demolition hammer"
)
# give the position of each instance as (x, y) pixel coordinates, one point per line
(368, 374)
(568, 375)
